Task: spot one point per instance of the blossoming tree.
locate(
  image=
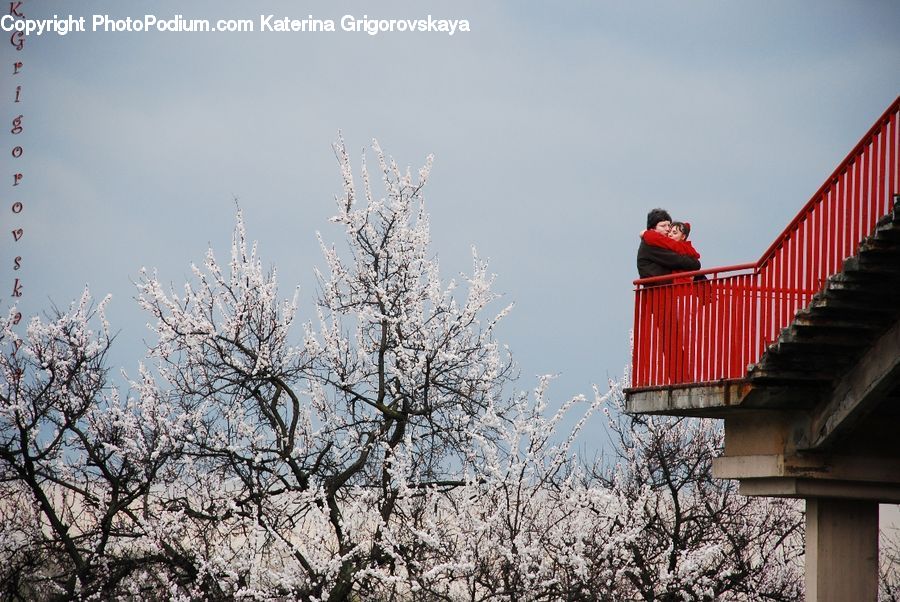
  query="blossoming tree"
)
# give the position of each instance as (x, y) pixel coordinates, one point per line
(374, 452)
(314, 444)
(77, 464)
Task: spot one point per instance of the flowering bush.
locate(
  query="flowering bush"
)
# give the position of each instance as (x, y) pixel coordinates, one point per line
(372, 453)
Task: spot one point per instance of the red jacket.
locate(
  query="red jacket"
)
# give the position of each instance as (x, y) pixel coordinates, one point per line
(682, 247)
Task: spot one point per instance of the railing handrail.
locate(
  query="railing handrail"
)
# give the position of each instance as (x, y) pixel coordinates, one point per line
(702, 272)
(842, 167)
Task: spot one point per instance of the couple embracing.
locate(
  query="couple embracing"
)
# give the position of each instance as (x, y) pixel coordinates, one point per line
(664, 246)
(665, 312)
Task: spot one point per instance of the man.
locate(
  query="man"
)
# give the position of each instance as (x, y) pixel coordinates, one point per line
(657, 261)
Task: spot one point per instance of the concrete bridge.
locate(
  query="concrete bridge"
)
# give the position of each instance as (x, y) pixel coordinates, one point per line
(799, 354)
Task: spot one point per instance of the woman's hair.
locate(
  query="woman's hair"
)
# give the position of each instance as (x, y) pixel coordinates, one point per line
(685, 227)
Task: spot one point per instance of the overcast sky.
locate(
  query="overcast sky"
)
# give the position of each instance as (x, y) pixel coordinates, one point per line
(555, 127)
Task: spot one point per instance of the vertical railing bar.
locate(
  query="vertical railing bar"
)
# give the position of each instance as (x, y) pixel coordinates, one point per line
(852, 183)
(790, 267)
(811, 245)
(726, 333)
(707, 328)
(893, 163)
(711, 333)
(743, 349)
(828, 234)
(649, 345)
(711, 328)
(689, 341)
(748, 332)
(636, 340)
(845, 213)
(864, 197)
(870, 189)
(779, 290)
(838, 234)
(677, 333)
(731, 340)
(829, 226)
(674, 334)
(703, 290)
(678, 311)
(687, 318)
(722, 334)
(684, 308)
(651, 327)
(656, 336)
(796, 273)
(821, 268)
(881, 201)
(737, 317)
(646, 358)
(874, 214)
(850, 199)
(776, 260)
(877, 201)
(886, 167)
(772, 301)
(809, 233)
(702, 301)
(818, 251)
(695, 313)
(790, 274)
(812, 249)
(888, 163)
(663, 365)
(810, 260)
(736, 330)
(764, 306)
(753, 333)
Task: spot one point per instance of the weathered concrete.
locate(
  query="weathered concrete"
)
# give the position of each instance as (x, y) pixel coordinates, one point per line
(815, 488)
(856, 393)
(841, 551)
(813, 475)
(861, 469)
(708, 399)
(752, 433)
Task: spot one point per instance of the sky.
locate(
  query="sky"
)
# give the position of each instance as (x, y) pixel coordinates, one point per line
(555, 127)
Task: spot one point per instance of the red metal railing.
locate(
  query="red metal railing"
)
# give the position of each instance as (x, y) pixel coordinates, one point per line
(693, 331)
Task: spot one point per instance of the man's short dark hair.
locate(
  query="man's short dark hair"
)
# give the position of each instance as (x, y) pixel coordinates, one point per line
(657, 215)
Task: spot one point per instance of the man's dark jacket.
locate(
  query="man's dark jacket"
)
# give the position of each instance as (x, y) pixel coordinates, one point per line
(657, 261)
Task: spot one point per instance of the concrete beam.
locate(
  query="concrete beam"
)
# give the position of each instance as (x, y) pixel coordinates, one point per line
(883, 493)
(809, 466)
(707, 400)
(856, 394)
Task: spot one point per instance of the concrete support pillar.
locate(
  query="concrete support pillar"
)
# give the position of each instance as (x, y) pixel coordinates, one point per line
(841, 550)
